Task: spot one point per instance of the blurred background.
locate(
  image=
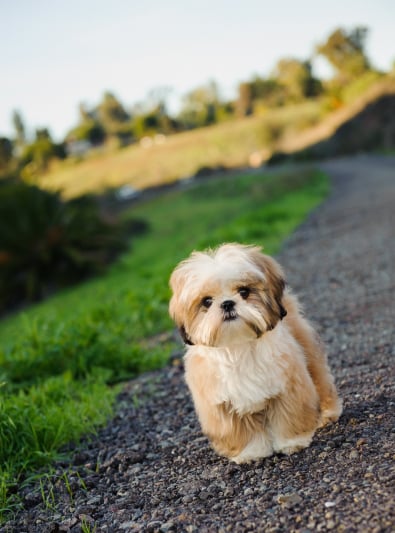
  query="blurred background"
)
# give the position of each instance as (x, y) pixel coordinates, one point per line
(90, 77)
(134, 132)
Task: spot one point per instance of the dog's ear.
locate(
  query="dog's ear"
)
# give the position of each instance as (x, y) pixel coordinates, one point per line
(275, 284)
(176, 308)
(184, 335)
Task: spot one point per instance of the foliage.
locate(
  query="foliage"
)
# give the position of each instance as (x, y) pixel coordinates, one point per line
(199, 107)
(111, 114)
(359, 86)
(88, 130)
(36, 156)
(20, 130)
(345, 50)
(244, 103)
(6, 150)
(46, 243)
(297, 79)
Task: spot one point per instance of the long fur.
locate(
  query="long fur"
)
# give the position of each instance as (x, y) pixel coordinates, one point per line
(256, 368)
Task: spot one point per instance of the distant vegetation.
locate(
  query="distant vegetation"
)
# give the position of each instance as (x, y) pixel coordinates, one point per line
(110, 124)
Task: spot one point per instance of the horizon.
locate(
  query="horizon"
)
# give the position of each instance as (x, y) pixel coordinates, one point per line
(64, 55)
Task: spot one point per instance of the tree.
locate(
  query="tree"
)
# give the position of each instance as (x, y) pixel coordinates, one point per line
(112, 115)
(297, 79)
(19, 126)
(5, 153)
(244, 103)
(345, 51)
(157, 99)
(200, 106)
(36, 156)
(88, 129)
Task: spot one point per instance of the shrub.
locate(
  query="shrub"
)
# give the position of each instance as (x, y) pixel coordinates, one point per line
(46, 243)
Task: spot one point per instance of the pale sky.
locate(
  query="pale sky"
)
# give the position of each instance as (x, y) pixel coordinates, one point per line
(58, 53)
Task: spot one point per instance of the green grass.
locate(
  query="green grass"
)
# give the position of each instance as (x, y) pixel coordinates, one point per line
(59, 360)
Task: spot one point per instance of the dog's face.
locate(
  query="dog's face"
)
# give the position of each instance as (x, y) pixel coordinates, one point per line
(226, 296)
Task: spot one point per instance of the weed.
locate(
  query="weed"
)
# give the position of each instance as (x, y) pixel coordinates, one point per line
(68, 486)
(87, 526)
(47, 492)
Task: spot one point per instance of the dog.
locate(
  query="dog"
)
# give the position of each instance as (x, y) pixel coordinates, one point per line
(255, 367)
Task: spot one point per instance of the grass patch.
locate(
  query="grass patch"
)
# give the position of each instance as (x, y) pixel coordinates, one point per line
(58, 358)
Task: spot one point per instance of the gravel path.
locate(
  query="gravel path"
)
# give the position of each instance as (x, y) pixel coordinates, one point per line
(152, 470)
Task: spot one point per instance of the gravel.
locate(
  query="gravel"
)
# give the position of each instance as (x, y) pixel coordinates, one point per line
(152, 470)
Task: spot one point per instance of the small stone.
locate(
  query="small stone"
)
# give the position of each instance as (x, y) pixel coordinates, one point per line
(329, 504)
(126, 525)
(168, 526)
(289, 500)
(354, 454)
(94, 500)
(154, 525)
(86, 518)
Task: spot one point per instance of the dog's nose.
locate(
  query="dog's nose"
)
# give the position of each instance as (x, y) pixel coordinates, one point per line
(227, 305)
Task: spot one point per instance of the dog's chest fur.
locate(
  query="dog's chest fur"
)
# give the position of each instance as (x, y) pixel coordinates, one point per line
(250, 374)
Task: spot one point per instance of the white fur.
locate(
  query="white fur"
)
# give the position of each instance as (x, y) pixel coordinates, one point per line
(289, 446)
(258, 447)
(251, 373)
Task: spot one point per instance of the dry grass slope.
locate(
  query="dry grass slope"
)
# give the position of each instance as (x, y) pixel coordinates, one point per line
(230, 144)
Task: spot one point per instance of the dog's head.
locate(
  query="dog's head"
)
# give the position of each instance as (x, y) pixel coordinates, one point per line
(226, 296)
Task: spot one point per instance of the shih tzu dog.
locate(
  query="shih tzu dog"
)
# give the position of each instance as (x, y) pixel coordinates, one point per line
(256, 368)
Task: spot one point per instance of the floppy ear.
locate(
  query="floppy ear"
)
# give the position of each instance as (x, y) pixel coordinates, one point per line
(275, 284)
(176, 309)
(184, 335)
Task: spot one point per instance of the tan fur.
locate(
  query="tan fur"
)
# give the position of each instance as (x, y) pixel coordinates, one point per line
(316, 359)
(228, 432)
(260, 381)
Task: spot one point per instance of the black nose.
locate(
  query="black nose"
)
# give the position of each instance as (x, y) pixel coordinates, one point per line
(227, 305)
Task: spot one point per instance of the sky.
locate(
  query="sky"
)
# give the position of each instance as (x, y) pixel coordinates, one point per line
(57, 54)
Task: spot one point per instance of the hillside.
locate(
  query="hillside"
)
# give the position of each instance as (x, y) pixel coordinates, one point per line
(228, 144)
(231, 144)
(366, 124)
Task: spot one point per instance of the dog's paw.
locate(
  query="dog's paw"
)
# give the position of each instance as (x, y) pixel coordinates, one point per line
(290, 446)
(258, 448)
(332, 413)
(289, 450)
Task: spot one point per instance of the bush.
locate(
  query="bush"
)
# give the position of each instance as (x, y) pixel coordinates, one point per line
(46, 243)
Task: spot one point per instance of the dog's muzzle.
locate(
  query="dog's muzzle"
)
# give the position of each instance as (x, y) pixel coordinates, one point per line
(228, 308)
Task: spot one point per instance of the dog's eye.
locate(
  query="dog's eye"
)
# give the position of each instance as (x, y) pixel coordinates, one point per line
(244, 292)
(207, 301)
